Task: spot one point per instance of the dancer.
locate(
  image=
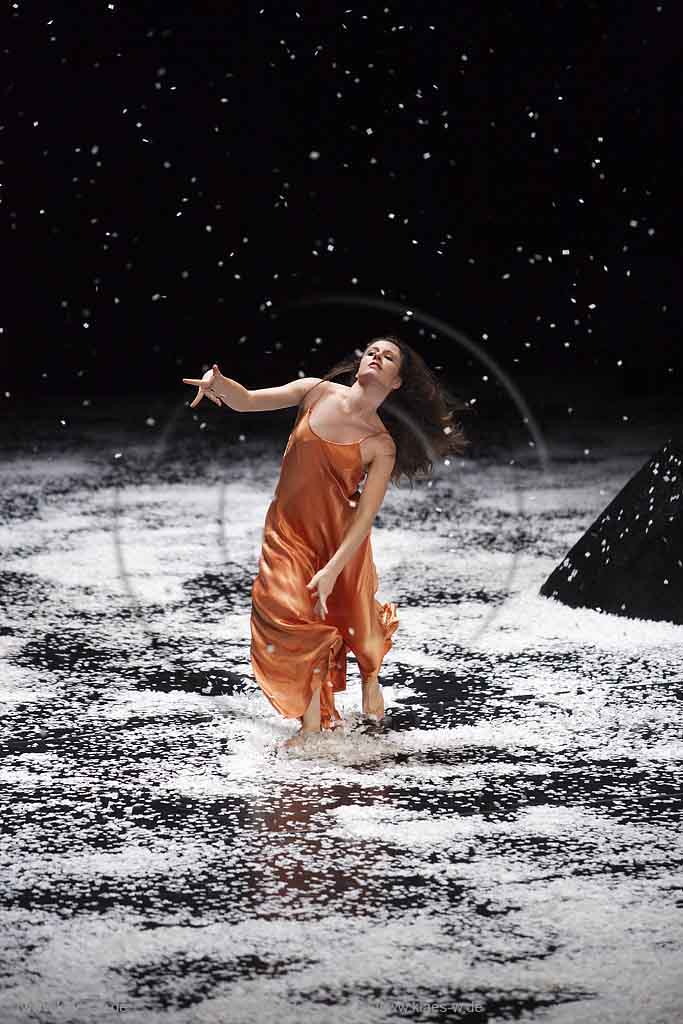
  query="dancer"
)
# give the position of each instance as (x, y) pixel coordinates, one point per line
(316, 541)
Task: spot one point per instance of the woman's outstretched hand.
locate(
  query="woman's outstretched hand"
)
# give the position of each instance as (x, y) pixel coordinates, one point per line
(205, 386)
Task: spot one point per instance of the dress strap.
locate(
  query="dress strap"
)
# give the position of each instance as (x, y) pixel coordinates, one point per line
(308, 393)
(303, 412)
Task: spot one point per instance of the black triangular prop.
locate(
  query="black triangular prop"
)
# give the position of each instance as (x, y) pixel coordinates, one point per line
(630, 561)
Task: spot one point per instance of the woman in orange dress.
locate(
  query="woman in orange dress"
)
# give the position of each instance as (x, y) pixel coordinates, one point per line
(313, 599)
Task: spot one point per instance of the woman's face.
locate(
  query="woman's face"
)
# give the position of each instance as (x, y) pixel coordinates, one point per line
(383, 360)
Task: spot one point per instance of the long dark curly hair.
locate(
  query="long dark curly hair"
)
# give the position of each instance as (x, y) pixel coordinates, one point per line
(418, 414)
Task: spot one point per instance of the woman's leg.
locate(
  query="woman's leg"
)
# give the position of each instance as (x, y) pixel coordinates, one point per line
(309, 723)
(311, 719)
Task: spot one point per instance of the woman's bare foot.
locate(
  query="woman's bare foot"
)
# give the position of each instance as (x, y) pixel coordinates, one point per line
(299, 738)
(373, 701)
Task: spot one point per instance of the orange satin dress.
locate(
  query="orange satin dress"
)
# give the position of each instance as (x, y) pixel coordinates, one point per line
(293, 651)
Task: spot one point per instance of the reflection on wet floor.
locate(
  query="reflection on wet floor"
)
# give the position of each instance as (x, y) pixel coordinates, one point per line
(509, 836)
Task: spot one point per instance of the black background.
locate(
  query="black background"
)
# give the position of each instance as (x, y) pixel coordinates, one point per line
(119, 155)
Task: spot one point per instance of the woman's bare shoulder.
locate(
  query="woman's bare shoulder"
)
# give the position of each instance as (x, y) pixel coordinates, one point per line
(322, 387)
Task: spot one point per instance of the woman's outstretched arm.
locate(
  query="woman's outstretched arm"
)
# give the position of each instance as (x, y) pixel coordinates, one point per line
(263, 399)
(223, 390)
(231, 393)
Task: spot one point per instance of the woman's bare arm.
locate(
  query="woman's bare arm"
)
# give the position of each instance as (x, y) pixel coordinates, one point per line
(223, 390)
(369, 504)
(264, 399)
(231, 393)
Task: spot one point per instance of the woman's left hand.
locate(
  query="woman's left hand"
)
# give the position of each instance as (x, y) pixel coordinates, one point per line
(323, 581)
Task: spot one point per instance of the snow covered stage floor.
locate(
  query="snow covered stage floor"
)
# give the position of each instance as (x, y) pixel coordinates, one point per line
(509, 848)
